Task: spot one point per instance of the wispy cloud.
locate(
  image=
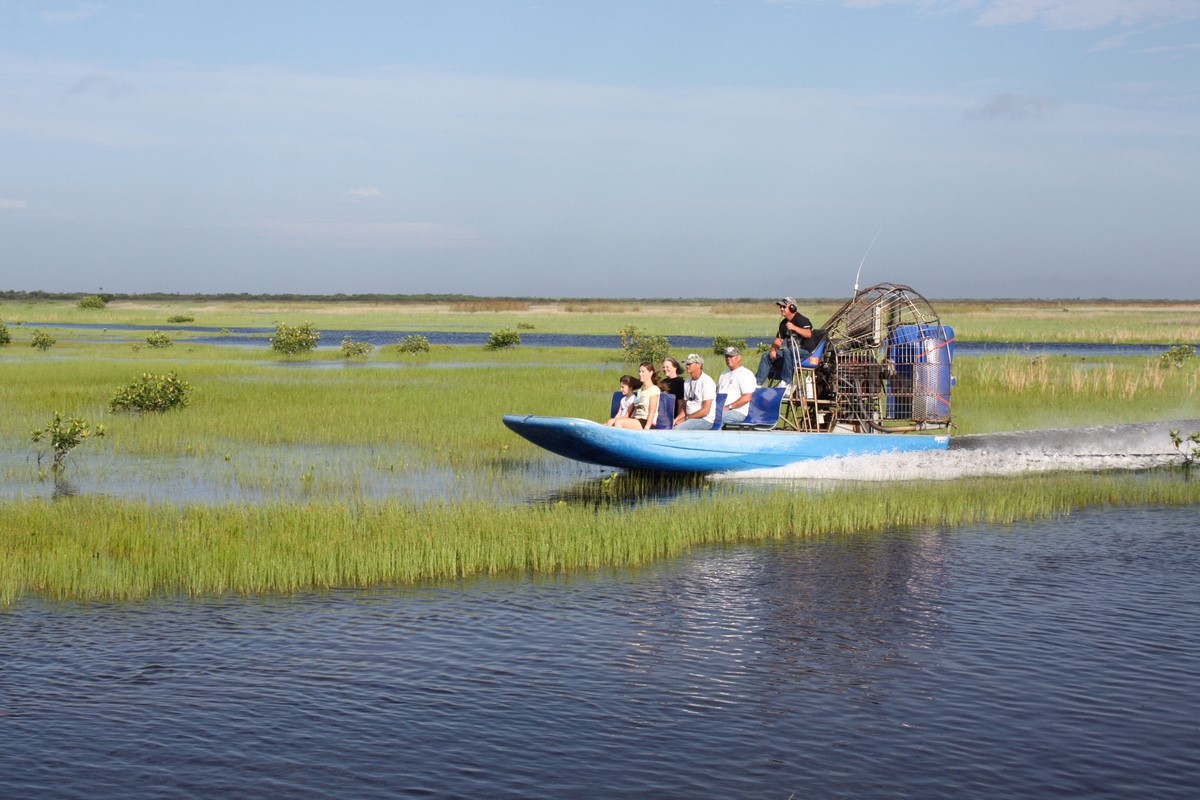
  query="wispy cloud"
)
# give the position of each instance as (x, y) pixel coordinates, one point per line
(365, 193)
(1088, 14)
(1013, 106)
(1066, 14)
(96, 83)
(70, 16)
(1191, 47)
(368, 234)
(9, 204)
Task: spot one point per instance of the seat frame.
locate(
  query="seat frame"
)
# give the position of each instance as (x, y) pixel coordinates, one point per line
(803, 408)
(765, 408)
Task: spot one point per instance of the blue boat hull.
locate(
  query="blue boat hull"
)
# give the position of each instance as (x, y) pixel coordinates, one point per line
(704, 451)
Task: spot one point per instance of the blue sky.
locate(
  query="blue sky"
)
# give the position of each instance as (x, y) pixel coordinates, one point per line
(670, 148)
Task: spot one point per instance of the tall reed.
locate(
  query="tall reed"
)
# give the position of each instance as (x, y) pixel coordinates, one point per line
(104, 549)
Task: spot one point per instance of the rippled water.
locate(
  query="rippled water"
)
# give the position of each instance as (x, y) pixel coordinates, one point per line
(349, 474)
(1055, 658)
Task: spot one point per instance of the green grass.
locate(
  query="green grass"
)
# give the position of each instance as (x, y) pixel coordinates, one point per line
(1164, 322)
(272, 422)
(105, 549)
(447, 405)
(1005, 393)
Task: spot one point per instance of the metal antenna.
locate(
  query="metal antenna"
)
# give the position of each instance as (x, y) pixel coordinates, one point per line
(864, 260)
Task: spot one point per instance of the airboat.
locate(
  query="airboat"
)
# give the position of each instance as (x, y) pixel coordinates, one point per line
(875, 378)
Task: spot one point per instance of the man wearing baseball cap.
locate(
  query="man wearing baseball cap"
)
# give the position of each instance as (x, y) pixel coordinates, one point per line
(699, 396)
(777, 364)
(737, 384)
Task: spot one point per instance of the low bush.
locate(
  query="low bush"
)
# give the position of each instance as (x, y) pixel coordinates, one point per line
(64, 436)
(1188, 448)
(5, 336)
(42, 340)
(181, 318)
(92, 301)
(721, 342)
(353, 349)
(640, 346)
(1178, 355)
(503, 338)
(152, 393)
(293, 339)
(159, 339)
(413, 344)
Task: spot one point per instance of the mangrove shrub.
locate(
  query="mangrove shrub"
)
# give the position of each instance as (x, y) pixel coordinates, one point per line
(1178, 355)
(1189, 448)
(92, 301)
(152, 393)
(293, 339)
(413, 344)
(42, 340)
(354, 349)
(503, 338)
(64, 435)
(721, 342)
(640, 346)
(159, 339)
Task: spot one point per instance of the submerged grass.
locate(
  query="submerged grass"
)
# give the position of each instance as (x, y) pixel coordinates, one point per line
(448, 411)
(256, 413)
(106, 549)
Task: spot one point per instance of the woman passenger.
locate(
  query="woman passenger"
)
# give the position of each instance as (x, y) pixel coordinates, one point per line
(645, 403)
(672, 382)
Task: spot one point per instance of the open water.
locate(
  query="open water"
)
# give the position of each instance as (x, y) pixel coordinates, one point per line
(260, 337)
(1058, 658)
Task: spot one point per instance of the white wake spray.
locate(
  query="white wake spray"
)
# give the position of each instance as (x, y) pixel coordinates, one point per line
(1104, 447)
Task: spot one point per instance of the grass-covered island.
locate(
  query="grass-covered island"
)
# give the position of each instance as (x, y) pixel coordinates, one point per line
(309, 442)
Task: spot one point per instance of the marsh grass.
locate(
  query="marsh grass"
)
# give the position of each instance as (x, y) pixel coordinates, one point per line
(996, 394)
(262, 421)
(84, 548)
(1163, 322)
(446, 405)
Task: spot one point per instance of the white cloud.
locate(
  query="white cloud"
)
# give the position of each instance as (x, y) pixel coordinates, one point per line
(6, 203)
(365, 193)
(1088, 13)
(367, 234)
(69, 16)
(1014, 106)
(1065, 14)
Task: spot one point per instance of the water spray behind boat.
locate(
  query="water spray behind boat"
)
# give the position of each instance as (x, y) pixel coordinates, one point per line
(1130, 447)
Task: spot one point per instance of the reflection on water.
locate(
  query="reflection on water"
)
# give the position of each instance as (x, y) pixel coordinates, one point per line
(618, 488)
(299, 473)
(1052, 658)
(62, 488)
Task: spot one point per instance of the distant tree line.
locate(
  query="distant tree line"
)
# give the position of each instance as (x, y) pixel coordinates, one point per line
(37, 295)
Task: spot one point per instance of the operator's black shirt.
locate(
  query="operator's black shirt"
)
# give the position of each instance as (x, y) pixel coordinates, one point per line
(799, 321)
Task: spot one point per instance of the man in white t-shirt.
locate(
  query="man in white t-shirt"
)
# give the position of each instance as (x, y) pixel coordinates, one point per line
(699, 397)
(737, 384)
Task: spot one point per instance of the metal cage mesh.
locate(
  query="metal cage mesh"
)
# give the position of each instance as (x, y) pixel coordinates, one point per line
(887, 363)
